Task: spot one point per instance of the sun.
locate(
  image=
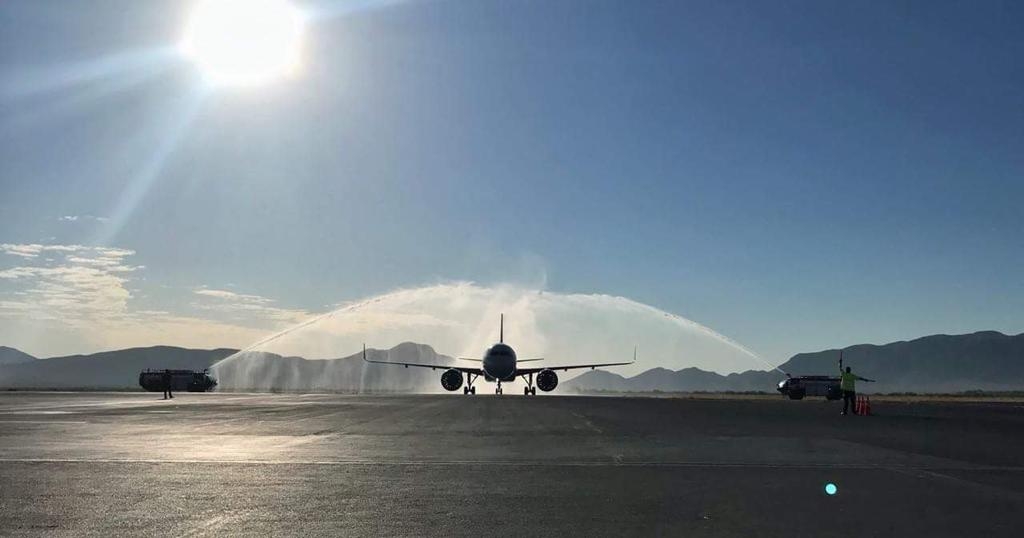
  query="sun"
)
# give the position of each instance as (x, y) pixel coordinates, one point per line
(244, 42)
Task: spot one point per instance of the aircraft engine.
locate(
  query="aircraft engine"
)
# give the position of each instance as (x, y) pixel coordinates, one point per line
(547, 380)
(451, 379)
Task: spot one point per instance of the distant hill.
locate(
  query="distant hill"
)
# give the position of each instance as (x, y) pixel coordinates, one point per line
(986, 360)
(685, 380)
(941, 363)
(264, 371)
(9, 355)
(255, 371)
(107, 370)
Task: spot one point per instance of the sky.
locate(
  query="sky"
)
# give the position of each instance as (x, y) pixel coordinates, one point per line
(794, 175)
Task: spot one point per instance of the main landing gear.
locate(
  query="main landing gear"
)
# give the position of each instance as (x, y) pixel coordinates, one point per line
(469, 388)
(529, 389)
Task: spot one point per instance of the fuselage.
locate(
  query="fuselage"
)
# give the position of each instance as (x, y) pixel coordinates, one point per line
(500, 362)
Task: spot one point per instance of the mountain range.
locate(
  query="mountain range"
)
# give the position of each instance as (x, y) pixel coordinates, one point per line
(985, 360)
(9, 355)
(941, 363)
(119, 370)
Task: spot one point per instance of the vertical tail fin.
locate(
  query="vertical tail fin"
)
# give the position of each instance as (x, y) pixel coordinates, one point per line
(501, 330)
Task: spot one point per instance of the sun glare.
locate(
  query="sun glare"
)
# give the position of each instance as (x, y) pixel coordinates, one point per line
(244, 42)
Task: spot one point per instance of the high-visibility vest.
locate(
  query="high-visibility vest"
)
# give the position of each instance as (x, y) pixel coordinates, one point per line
(847, 381)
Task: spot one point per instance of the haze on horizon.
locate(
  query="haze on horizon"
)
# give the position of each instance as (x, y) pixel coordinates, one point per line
(796, 175)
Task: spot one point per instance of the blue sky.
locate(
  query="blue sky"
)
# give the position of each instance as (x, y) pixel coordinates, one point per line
(796, 175)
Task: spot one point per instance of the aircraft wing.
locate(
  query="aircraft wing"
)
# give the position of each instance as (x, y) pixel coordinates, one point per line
(520, 360)
(463, 369)
(525, 371)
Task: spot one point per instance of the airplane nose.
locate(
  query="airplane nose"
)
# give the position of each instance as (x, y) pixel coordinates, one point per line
(500, 367)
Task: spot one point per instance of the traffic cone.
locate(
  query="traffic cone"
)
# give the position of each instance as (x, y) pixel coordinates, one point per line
(863, 405)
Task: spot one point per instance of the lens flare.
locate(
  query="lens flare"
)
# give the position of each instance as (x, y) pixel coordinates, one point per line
(244, 42)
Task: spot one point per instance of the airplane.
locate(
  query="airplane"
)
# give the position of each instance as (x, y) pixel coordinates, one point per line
(499, 364)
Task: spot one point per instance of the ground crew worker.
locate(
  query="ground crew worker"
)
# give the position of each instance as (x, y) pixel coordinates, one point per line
(848, 384)
(167, 384)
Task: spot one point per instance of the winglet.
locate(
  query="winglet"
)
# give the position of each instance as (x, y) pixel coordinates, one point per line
(364, 352)
(501, 330)
(634, 353)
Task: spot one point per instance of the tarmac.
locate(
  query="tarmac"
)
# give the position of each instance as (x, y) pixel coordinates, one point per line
(222, 464)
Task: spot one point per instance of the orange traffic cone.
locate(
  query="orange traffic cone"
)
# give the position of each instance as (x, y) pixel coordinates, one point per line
(863, 406)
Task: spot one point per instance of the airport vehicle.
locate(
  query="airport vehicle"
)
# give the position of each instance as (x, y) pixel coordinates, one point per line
(181, 380)
(499, 364)
(796, 387)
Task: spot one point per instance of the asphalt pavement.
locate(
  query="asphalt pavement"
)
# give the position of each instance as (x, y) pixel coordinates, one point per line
(76, 464)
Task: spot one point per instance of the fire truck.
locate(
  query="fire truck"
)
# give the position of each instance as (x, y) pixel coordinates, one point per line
(796, 387)
(181, 380)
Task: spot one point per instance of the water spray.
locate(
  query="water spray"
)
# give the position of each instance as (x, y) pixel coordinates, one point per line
(461, 319)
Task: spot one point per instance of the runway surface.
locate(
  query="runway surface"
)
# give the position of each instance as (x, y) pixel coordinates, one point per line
(77, 464)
